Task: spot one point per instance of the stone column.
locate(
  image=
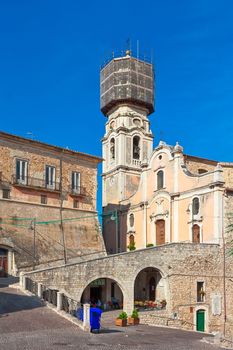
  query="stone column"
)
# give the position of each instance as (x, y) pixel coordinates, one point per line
(86, 317)
(21, 279)
(129, 300)
(39, 290)
(59, 300)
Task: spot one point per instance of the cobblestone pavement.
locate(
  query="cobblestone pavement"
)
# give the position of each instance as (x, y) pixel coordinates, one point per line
(26, 324)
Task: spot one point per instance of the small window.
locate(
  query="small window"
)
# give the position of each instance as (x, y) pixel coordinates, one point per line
(131, 220)
(160, 179)
(6, 194)
(43, 199)
(202, 171)
(200, 292)
(112, 148)
(75, 204)
(21, 171)
(50, 176)
(136, 147)
(196, 206)
(76, 180)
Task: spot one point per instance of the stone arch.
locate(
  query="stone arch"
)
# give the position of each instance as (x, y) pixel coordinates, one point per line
(110, 290)
(143, 281)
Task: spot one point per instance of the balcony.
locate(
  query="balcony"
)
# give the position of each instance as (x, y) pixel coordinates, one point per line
(34, 183)
(78, 191)
(136, 163)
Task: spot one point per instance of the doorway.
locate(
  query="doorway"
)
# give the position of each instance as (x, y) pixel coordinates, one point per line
(3, 262)
(196, 233)
(152, 295)
(200, 323)
(160, 232)
(95, 294)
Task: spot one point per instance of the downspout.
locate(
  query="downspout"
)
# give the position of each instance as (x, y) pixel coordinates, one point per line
(61, 209)
(224, 269)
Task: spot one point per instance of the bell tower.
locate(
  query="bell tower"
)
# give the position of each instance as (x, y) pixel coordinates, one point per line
(127, 98)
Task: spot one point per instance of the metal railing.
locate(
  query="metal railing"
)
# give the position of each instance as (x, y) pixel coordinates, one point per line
(50, 295)
(70, 305)
(77, 191)
(29, 181)
(31, 285)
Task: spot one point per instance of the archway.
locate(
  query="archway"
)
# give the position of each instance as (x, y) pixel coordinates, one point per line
(149, 290)
(3, 262)
(104, 293)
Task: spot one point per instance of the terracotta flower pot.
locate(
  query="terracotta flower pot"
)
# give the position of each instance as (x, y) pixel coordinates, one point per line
(120, 322)
(133, 321)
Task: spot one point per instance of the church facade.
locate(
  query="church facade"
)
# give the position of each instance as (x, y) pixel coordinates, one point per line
(163, 197)
(154, 196)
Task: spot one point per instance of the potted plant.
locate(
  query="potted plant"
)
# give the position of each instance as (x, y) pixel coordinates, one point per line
(163, 303)
(121, 319)
(134, 319)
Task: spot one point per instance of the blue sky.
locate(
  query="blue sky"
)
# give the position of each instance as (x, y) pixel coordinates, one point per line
(51, 52)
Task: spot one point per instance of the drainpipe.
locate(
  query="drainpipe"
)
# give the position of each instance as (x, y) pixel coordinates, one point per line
(224, 269)
(61, 209)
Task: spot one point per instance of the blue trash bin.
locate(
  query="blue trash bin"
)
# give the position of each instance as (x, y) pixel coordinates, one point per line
(95, 316)
(79, 314)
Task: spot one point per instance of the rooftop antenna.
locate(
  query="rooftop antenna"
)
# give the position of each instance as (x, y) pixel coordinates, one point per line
(128, 45)
(137, 49)
(30, 135)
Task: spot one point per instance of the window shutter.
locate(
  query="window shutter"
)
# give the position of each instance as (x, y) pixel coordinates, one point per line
(17, 169)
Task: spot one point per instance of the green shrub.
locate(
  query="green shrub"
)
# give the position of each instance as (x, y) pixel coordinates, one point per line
(149, 245)
(134, 313)
(123, 316)
(131, 246)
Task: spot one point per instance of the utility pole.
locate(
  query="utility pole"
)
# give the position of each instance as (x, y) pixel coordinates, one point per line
(61, 214)
(33, 227)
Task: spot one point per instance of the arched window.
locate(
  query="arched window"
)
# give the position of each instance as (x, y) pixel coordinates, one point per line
(136, 147)
(160, 179)
(196, 206)
(131, 220)
(112, 148)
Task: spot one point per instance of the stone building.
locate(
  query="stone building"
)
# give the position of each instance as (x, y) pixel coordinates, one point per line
(165, 217)
(41, 184)
(155, 197)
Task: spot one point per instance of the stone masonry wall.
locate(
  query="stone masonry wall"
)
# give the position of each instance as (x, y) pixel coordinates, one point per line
(181, 266)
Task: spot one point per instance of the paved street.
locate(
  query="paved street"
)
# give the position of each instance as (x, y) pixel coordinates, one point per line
(25, 324)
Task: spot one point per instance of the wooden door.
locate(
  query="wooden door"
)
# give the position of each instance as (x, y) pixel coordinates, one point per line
(200, 320)
(160, 232)
(196, 234)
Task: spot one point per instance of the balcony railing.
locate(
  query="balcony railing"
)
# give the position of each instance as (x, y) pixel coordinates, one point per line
(35, 183)
(136, 163)
(77, 191)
